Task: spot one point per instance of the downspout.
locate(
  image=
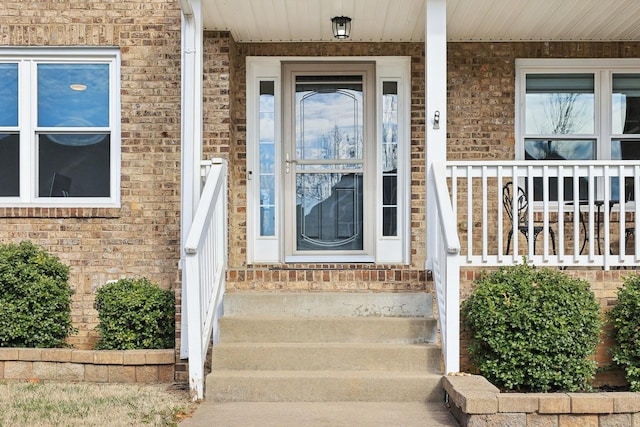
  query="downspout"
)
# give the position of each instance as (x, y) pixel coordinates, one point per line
(436, 107)
(191, 136)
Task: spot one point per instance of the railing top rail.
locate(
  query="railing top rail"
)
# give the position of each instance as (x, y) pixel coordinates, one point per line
(445, 209)
(540, 163)
(210, 193)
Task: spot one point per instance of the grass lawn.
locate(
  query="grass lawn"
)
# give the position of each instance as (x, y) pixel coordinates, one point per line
(84, 404)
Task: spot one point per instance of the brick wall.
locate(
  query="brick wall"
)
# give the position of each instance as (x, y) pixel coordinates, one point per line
(481, 91)
(142, 237)
(332, 277)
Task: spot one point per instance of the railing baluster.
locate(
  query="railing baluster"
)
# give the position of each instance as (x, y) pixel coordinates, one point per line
(514, 214)
(485, 213)
(500, 181)
(606, 217)
(589, 208)
(545, 213)
(205, 258)
(622, 212)
(577, 216)
(530, 248)
(560, 213)
(469, 210)
(591, 215)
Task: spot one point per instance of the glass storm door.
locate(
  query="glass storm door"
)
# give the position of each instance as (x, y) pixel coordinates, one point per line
(325, 163)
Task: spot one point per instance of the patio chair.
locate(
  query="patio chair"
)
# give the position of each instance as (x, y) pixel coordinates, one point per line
(60, 185)
(522, 223)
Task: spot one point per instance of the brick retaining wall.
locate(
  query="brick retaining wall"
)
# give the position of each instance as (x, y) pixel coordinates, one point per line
(95, 366)
(476, 402)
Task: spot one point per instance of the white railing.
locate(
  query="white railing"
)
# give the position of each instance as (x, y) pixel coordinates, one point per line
(572, 207)
(445, 264)
(205, 264)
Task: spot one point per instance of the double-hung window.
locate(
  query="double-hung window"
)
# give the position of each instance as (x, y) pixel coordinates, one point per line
(578, 110)
(59, 127)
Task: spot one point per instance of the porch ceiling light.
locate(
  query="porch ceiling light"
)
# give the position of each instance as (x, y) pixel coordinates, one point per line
(341, 27)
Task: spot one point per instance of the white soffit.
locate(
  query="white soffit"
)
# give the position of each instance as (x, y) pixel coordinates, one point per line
(403, 20)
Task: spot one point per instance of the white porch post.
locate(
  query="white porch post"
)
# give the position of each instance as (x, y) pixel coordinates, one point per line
(191, 120)
(436, 106)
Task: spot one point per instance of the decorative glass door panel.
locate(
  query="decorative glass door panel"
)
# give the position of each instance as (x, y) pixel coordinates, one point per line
(325, 165)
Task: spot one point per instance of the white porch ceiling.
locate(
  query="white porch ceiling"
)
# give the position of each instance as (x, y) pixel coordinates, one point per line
(403, 20)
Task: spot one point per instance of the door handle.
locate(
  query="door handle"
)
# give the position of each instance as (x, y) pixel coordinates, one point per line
(288, 161)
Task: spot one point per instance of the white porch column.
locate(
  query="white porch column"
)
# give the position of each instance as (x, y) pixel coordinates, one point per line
(436, 105)
(191, 120)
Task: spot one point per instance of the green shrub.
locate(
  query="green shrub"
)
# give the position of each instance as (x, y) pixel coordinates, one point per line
(135, 314)
(533, 329)
(625, 319)
(35, 298)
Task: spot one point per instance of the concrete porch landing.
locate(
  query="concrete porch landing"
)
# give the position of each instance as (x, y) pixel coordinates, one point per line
(321, 414)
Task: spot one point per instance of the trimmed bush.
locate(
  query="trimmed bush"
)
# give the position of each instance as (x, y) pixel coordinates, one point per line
(533, 329)
(135, 314)
(35, 297)
(625, 319)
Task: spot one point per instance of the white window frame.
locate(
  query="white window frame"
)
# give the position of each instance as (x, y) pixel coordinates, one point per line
(271, 249)
(602, 69)
(27, 60)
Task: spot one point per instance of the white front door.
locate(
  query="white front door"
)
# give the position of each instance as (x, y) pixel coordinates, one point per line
(327, 154)
(328, 164)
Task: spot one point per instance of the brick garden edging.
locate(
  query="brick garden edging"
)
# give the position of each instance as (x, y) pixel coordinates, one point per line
(476, 402)
(95, 366)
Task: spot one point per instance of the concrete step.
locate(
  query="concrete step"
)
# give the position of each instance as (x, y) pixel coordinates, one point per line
(321, 414)
(326, 347)
(329, 304)
(262, 329)
(323, 386)
(326, 356)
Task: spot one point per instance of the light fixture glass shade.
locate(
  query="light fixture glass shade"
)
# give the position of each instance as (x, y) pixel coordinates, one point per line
(341, 27)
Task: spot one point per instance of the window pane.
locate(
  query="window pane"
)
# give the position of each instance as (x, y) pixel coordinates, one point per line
(389, 158)
(9, 94)
(389, 221)
(625, 101)
(267, 205)
(559, 149)
(329, 117)
(267, 159)
(560, 104)
(624, 150)
(9, 165)
(73, 170)
(329, 212)
(73, 95)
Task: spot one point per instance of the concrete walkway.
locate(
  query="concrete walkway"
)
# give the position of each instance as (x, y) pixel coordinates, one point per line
(324, 414)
